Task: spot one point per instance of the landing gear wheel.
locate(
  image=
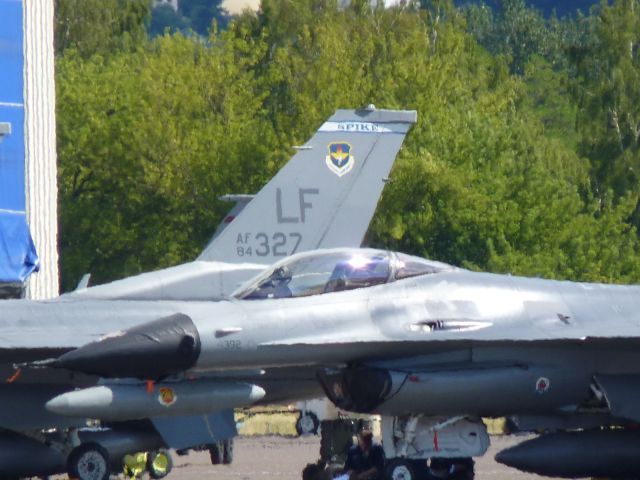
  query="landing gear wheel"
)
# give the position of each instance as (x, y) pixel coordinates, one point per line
(399, 469)
(307, 424)
(216, 453)
(227, 451)
(462, 469)
(89, 461)
(159, 464)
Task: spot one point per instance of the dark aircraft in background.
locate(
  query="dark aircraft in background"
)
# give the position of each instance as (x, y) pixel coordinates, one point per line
(324, 197)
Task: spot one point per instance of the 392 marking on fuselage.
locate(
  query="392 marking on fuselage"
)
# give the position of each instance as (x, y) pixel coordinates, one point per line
(233, 345)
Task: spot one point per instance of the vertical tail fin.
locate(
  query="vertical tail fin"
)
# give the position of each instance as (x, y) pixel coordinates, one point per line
(324, 196)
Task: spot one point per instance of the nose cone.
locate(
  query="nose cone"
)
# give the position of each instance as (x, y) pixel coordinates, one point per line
(527, 456)
(149, 351)
(257, 393)
(75, 403)
(59, 404)
(582, 454)
(560, 454)
(508, 458)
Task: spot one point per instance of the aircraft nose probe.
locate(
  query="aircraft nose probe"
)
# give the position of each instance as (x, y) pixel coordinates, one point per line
(150, 351)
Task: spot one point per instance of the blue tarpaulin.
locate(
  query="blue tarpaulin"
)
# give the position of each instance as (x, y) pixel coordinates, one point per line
(18, 257)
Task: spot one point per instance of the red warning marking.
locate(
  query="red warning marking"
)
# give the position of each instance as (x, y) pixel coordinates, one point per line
(435, 441)
(15, 376)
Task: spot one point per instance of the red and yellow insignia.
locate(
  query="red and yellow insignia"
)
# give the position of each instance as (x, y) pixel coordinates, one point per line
(167, 396)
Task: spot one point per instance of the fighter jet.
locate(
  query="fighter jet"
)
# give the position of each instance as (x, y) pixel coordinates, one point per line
(429, 346)
(325, 196)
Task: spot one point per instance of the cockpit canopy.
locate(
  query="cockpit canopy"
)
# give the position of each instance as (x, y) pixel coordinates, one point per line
(325, 271)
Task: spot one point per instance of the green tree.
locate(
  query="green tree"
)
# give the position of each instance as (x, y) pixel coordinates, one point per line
(99, 26)
(522, 32)
(147, 141)
(608, 95)
(492, 176)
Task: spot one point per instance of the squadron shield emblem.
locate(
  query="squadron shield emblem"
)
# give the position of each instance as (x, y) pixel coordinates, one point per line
(167, 396)
(340, 161)
(542, 385)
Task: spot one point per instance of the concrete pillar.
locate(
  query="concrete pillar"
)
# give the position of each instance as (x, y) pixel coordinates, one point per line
(40, 145)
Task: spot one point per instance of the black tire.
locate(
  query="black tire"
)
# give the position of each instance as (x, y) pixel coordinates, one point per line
(462, 469)
(421, 469)
(307, 424)
(216, 453)
(399, 469)
(89, 461)
(227, 451)
(159, 464)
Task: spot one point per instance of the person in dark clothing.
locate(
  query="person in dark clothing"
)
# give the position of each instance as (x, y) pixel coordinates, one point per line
(316, 471)
(365, 461)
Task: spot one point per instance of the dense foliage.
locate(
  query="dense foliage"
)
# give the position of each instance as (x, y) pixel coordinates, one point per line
(547, 7)
(524, 158)
(92, 27)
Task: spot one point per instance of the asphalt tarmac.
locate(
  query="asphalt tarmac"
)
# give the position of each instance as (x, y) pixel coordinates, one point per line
(278, 458)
